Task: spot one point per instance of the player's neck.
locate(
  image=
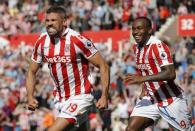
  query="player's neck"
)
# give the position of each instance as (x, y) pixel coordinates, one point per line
(60, 34)
(141, 45)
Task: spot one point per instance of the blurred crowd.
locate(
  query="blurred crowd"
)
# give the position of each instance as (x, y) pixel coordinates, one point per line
(26, 16)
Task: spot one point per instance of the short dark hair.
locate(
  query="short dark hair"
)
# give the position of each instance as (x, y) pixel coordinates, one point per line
(57, 9)
(148, 21)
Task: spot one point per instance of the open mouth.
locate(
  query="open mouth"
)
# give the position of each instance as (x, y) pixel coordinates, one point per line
(51, 30)
(137, 37)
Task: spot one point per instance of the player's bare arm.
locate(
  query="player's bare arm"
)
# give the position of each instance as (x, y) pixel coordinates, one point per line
(30, 84)
(167, 73)
(105, 78)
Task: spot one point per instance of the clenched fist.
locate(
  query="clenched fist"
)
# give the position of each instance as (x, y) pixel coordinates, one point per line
(32, 103)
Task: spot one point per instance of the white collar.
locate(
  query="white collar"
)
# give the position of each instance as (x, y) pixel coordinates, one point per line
(65, 31)
(152, 38)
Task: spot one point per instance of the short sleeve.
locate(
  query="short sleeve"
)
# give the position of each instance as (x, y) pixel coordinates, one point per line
(85, 45)
(37, 55)
(162, 54)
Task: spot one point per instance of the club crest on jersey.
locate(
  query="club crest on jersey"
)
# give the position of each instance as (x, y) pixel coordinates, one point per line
(163, 55)
(159, 45)
(67, 48)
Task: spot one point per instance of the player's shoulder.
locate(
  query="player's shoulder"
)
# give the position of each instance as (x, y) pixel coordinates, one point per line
(76, 34)
(77, 37)
(73, 32)
(155, 41)
(42, 36)
(134, 46)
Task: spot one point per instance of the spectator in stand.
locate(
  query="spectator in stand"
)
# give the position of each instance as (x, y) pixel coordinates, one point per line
(32, 12)
(182, 10)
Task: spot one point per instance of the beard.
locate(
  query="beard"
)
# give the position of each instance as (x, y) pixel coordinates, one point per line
(52, 31)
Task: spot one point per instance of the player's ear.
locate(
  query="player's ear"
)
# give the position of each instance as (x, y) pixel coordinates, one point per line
(65, 23)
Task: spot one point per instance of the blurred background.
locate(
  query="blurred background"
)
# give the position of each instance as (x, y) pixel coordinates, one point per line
(108, 24)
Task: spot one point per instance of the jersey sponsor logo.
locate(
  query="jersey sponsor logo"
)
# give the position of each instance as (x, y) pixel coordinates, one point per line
(58, 59)
(143, 66)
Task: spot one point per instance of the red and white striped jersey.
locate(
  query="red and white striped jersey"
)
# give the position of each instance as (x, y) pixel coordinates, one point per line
(149, 59)
(67, 60)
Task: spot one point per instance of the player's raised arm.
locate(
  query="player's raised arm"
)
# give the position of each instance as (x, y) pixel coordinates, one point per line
(105, 78)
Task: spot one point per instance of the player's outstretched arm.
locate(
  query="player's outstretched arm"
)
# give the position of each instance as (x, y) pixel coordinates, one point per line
(105, 78)
(30, 84)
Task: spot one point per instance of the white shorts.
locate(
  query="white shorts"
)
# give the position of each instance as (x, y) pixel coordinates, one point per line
(175, 114)
(76, 107)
